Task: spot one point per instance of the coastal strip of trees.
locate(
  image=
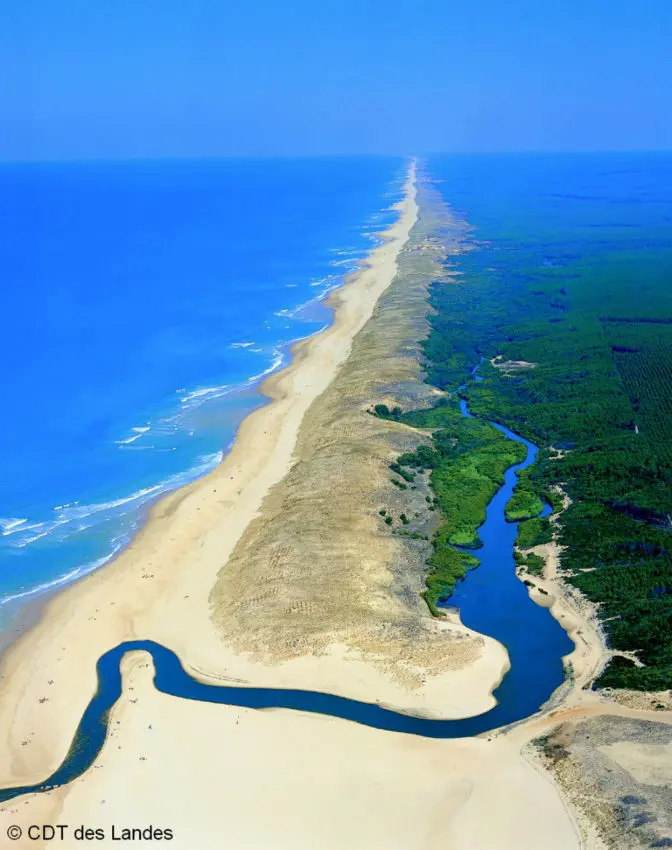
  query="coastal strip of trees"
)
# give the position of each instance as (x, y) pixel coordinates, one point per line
(594, 391)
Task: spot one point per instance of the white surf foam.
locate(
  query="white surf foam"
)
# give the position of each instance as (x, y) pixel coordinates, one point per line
(278, 359)
(346, 252)
(138, 432)
(352, 263)
(9, 524)
(75, 517)
(71, 576)
(204, 393)
(329, 282)
(201, 395)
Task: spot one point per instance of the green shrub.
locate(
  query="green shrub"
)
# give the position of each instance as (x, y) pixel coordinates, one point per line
(534, 532)
(534, 564)
(523, 505)
(407, 476)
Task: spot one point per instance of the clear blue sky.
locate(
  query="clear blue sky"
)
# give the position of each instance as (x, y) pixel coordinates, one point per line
(92, 78)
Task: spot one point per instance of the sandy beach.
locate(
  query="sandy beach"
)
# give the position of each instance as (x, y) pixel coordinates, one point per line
(280, 779)
(159, 587)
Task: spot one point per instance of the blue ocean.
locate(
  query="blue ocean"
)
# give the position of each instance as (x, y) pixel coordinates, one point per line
(143, 302)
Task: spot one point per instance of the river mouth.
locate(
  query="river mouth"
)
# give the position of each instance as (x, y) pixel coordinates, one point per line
(491, 600)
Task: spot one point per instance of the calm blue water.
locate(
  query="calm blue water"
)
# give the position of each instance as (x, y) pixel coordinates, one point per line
(493, 601)
(141, 304)
(172, 679)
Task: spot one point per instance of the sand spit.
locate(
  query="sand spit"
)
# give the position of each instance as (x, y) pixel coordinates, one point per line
(579, 739)
(159, 587)
(319, 574)
(279, 780)
(577, 615)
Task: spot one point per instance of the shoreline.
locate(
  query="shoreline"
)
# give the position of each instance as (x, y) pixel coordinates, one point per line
(50, 671)
(39, 597)
(26, 604)
(576, 614)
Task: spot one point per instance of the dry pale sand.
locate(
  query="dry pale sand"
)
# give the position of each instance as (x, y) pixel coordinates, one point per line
(319, 573)
(650, 764)
(159, 588)
(576, 614)
(279, 780)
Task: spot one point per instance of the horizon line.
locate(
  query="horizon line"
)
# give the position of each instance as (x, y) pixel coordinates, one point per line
(252, 156)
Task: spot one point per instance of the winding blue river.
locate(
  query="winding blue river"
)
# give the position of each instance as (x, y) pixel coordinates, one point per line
(491, 600)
